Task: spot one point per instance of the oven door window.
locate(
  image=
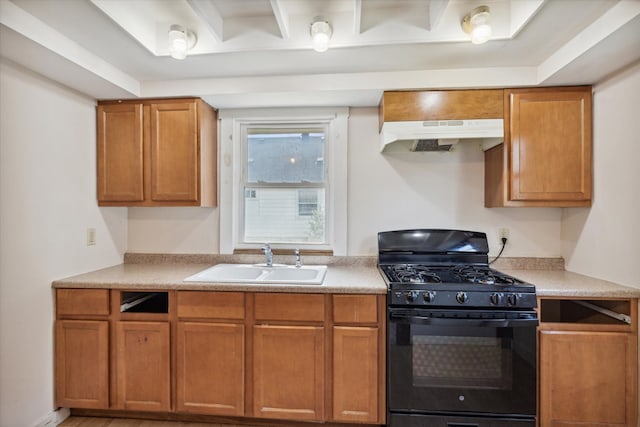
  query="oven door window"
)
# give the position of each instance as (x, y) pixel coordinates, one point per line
(462, 365)
(462, 361)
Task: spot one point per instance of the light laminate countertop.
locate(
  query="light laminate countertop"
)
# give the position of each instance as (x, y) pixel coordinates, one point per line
(347, 275)
(562, 283)
(351, 279)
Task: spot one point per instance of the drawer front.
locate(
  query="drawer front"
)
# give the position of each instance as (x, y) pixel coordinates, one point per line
(210, 305)
(74, 302)
(304, 307)
(355, 309)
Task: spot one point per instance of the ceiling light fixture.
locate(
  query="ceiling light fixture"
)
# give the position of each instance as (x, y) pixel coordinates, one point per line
(181, 40)
(321, 34)
(476, 23)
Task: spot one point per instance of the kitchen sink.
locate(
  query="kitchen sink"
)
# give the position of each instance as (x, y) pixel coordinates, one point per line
(261, 273)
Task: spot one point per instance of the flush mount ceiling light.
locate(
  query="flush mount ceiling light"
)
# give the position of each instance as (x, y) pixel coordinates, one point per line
(476, 23)
(180, 41)
(320, 34)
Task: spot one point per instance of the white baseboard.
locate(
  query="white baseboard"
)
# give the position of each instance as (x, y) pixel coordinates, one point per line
(54, 418)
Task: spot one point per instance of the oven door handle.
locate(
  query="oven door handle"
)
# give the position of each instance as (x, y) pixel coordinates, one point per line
(500, 323)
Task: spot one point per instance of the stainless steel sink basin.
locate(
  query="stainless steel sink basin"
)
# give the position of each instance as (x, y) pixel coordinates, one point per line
(260, 273)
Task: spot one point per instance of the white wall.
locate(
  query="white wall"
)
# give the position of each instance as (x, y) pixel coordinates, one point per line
(604, 241)
(432, 190)
(384, 192)
(174, 230)
(47, 196)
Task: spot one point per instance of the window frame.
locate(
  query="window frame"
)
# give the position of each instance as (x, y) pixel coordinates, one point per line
(231, 169)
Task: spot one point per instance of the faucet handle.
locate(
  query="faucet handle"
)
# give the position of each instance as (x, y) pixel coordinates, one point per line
(296, 251)
(268, 254)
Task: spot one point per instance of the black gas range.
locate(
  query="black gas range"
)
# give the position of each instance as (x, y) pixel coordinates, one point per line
(461, 335)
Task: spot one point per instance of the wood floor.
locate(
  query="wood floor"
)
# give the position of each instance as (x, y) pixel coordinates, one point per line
(76, 421)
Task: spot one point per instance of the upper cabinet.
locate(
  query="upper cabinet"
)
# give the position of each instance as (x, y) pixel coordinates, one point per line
(399, 106)
(433, 120)
(546, 157)
(157, 152)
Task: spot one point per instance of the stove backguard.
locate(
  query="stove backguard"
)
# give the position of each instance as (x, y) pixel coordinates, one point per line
(432, 246)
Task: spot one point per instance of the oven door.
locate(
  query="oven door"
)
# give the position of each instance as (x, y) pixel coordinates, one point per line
(462, 362)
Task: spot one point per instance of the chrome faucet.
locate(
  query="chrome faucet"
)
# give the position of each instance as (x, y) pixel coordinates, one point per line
(296, 251)
(268, 255)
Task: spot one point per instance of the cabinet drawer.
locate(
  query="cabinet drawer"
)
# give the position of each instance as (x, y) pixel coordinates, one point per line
(355, 309)
(309, 307)
(210, 305)
(71, 302)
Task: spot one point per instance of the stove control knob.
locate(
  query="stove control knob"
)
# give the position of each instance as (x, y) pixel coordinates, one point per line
(429, 296)
(512, 300)
(462, 297)
(495, 298)
(411, 296)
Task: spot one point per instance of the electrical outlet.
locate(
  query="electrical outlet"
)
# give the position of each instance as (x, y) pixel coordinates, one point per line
(503, 233)
(91, 236)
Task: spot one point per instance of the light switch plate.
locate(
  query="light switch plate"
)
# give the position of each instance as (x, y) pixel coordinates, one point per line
(91, 236)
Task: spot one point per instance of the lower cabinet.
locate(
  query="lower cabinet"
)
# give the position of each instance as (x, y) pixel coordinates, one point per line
(355, 373)
(210, 353)
(142, 366)
(358, 354)
(82, 363)
(82, 348)
(210, 368)
(286, 356)
(288, 372)
(587, 378)
(588, 363)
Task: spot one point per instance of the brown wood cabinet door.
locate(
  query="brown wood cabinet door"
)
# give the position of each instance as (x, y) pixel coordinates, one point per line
(82, 363)
(120, 153)
(441, 105)
(175, 163)
(550, 143)
(288, 372)
(355, 374)
(210, 368)
(588, 378)
(142, 366)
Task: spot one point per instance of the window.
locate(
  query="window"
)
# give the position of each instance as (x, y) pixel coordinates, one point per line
(307, 202)
(283, 179)
(282, 170)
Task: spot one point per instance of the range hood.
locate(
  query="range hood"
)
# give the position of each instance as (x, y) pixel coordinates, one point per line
(438, 135)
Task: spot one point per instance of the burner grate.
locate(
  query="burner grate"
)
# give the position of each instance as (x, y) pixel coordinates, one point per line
(406, 273)
(483, 276)
(424, 274)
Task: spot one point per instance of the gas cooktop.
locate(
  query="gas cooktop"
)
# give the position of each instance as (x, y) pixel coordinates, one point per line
(419, 273)
(446, 268)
